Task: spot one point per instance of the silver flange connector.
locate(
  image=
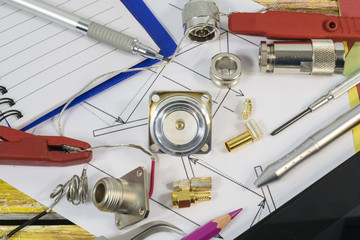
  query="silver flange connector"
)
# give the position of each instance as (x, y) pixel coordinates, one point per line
(316, 57)
(200, 20)
(127, 197)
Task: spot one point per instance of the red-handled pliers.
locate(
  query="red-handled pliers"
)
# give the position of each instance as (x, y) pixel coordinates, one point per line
(20, 148)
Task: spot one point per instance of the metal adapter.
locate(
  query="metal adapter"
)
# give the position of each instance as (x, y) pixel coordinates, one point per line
(225, 69)
(186, 198)
(180, 123)
(318, 57)
(194, 184)
(126, 196)
(200, 19)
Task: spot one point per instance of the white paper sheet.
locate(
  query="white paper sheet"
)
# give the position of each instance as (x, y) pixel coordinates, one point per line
(276, 98)
(39, 59)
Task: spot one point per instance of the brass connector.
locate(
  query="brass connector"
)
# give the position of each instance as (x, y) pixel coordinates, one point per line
(252, 134)
(183, 199)
(193, 184)
(246, 109)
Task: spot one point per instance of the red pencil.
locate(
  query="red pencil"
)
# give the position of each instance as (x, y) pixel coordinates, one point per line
(212, 228)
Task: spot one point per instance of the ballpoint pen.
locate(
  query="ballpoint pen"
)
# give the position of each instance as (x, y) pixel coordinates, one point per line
(311, 145)
(94, 30)
(212, 228)
(334, 93)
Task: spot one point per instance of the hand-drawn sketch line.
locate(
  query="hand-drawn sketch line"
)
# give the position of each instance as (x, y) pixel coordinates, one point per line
(196, 160)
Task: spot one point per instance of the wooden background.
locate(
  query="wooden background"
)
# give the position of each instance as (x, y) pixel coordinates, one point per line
(16, 206)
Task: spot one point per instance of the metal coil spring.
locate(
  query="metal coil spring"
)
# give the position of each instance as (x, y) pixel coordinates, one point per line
(76, 190)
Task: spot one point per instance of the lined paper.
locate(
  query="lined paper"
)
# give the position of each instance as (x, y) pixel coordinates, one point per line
(43, 64)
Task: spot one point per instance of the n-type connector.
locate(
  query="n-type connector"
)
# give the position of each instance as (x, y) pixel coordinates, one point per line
(200, 20)
(252, 134)
(127, 197)
(186, 198)
(316, 57)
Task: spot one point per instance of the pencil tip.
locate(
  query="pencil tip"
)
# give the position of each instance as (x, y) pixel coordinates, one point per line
(235, 213)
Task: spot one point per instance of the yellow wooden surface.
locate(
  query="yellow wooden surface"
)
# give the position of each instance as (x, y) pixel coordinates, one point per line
(13, 201)
(71, 232)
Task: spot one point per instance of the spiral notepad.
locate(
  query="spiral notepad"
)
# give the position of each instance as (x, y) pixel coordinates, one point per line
(43, 64)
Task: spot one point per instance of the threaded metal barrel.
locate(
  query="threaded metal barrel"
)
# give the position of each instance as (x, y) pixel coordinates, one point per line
(201, 20)
(108, 194)
(315, 57)
(202, 197)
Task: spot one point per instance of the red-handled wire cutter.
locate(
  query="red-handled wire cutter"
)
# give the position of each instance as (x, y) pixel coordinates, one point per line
(295, 25)
(20, 148)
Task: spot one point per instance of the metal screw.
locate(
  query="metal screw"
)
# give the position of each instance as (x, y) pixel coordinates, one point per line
(205, 148)
(118, 223)
(139, 173)
(154, 148)
(141, 211)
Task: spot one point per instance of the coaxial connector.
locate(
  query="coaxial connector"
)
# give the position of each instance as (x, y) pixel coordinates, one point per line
(183, 199)
(194, 184)
(200, 20)
(315, 57)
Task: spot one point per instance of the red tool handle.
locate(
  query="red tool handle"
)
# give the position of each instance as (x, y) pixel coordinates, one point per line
(294, 25)
(21, 148)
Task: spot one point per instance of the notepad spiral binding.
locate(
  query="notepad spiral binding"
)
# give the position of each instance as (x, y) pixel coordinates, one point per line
(3, 90)
(11, 102)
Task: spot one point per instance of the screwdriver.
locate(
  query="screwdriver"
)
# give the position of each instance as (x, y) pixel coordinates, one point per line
(334, 93)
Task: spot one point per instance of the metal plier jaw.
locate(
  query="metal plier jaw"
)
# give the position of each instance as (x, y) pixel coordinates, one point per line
(20, 148)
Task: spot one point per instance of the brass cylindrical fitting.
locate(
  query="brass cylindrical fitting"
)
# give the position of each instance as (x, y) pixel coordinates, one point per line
(193, 184)
(183, 199)
(252, 134)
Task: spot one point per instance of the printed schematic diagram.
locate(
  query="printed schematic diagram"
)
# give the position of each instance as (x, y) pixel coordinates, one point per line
(190, 72)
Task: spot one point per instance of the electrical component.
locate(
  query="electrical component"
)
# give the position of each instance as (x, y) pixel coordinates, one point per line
(186, 198)
(225, 69)
(252, 134)
(246, 109)
(180, 123)
(126, 196)
(318, 57)
(200, 20)
(194, 184)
